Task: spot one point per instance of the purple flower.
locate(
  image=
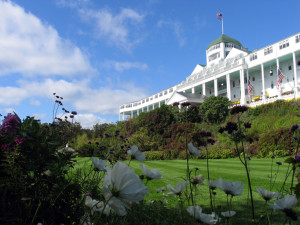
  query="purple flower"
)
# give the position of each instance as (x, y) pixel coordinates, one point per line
(247, 124)
(273, 156)
(294, 128)
(298, 115)
(279, 163)
(297, 158)
(11, 123)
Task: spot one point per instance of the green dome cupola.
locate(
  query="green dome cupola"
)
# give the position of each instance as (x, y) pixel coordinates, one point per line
(224, 38)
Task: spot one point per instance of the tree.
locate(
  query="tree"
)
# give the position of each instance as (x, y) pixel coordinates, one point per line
(215, 109)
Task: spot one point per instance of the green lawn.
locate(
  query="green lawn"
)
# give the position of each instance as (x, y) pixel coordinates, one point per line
(229, 169)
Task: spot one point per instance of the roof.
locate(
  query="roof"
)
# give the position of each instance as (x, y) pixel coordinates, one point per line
(224, 38)
(191, 97)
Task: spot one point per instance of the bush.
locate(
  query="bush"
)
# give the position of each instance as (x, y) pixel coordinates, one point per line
(215, 109)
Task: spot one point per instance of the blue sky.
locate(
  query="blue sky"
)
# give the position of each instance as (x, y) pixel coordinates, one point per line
(99, 54)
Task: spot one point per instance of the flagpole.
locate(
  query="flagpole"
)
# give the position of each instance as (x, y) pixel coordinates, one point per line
(222, 26)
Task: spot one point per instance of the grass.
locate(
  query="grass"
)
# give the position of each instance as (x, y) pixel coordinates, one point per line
(229, 169)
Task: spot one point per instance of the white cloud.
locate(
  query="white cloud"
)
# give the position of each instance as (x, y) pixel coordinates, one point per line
(88, 120)
(39, 116)
(103, 100)
(35, 102)
(12, 95)
(177, 29)
(31, 47)
(114, 28)
(72, 3)
(121, 66)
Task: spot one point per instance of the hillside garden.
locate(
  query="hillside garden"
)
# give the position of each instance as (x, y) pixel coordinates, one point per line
(180, 164)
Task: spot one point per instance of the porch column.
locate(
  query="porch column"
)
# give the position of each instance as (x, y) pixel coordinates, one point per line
(147, 108)
(193, 90)
(203, 89)
(295, 76)
(216, 86)
(242, 82)
(159, 104)
(228, 86)
(263, 83)
(279, 89)
(123, 116)
(131, 114)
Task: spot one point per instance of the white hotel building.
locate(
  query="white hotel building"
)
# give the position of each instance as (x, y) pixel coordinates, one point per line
(229, 66)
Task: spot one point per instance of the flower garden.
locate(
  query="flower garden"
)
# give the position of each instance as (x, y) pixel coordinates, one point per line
(115, 181)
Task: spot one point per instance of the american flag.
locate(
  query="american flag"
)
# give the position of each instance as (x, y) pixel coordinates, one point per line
(250, 87)
(219, 16)
(279, 78)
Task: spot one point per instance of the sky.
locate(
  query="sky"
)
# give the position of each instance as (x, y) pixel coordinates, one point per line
(99, 54)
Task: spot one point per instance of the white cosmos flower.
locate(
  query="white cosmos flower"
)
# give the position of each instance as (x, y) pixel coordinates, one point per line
(230, 188)
(136, 153)
(196, 211)
(267, 195)
(287, 202)
(193, 149)
(151, 174)
(178, 190)
(99, 164)
(212, 184)
(121, 186)
(198, 179)
(96, 206)
(228, 214)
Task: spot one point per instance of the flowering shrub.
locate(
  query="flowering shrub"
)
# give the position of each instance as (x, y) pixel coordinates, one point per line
(33, 184)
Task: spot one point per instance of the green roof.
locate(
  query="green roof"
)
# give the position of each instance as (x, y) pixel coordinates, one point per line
(224, 38)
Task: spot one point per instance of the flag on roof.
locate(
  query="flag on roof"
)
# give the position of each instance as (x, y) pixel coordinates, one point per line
(219, 16)
(279, 78)
(250, 87)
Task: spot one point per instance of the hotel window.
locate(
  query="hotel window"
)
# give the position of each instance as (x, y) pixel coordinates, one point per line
(272, 85)
(268, 50)
(160, 94)
(165, 92)
(290, 67)
(143, 101)
(297, 38)
(171, 90)
(147, 100)
(156, 96)
(253, 57)
(233, 83)
(253, 78)
(284, 44)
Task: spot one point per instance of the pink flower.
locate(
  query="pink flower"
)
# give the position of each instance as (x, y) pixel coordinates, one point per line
(18, 140)
(4, 147)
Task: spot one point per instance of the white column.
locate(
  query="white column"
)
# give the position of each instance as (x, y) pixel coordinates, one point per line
(228, 86)
(242, 82)
(147, 108)
(193, 90)
(295, 76)
(278, 67)
(138, 112)
(203, 89)
(123, 116)
(216, 86)
(159, 104)
(263, 83)
(131, 114)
